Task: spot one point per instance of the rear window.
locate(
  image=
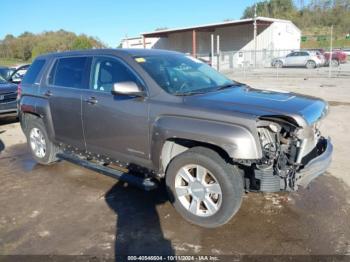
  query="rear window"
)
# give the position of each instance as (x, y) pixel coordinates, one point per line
(33, 72)
(69, 72)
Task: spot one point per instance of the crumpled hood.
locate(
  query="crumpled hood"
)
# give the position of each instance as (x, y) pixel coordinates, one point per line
(257, 102)
(7, 88)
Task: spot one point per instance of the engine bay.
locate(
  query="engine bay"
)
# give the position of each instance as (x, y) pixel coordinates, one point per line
(286, 149)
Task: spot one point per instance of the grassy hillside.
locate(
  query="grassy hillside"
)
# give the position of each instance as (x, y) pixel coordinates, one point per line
(314, 19)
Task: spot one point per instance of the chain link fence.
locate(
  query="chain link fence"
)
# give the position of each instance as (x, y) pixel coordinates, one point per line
(260, 64)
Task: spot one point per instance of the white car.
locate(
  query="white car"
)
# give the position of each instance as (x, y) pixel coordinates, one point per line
(308, 59)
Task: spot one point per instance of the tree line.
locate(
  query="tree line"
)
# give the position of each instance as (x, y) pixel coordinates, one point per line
(28, 45)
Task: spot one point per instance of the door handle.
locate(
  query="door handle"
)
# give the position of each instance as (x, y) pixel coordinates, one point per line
(91, 100)
(48, 93)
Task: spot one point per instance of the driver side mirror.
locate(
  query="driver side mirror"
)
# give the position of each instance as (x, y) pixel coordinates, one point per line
(127, 88)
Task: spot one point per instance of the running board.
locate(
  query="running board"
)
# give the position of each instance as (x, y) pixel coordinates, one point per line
(140, 182)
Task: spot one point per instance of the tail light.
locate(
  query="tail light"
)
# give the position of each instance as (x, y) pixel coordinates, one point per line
(19, 91)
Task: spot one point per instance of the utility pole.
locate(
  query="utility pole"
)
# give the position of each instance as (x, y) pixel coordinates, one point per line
(255, 35)
(127, 40)
(301, 4)
(218, 52)
(212, 50)
(330, 54)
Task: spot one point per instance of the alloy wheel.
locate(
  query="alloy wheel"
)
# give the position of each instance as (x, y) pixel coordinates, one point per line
(37, 142)
(198, 190)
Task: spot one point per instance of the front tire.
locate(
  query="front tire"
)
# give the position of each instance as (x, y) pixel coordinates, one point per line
(41, 148)
(278, 64)
(204, 188)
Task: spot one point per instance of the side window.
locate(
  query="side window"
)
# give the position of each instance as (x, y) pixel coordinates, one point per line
(33, 72)
(108, 71)
(69, 72)
(304, 54)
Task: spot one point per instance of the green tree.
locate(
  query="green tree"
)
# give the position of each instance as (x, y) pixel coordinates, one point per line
(284, 9)
(81, 42)
(28, 45)
(314, 19)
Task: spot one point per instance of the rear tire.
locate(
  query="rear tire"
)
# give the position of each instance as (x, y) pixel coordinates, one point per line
(335, 63)
(214, 193)
(41, 148)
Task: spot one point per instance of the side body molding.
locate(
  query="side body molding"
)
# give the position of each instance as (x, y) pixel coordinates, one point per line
(236, 140)
(39, 106)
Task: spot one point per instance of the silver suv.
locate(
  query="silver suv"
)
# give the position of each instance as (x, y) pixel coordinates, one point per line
(308, 59)
(149, 115)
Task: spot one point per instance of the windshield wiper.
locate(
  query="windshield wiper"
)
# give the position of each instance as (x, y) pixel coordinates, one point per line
(227, 86)
(189, 93)
(207, 91)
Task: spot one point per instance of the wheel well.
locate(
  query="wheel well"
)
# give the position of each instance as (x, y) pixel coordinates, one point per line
(310, 60)
(25, 116)
(174, 147)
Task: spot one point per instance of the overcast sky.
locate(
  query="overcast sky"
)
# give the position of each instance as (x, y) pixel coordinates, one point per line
(112, 20)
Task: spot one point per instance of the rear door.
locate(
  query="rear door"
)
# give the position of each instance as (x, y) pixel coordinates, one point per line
(115, 125)
(290, 59)
(67, 81)
(303, 58)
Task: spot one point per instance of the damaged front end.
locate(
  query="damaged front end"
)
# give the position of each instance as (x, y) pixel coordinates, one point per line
(292, 155)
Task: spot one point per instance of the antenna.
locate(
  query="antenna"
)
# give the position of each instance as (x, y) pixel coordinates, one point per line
(255, 9)
(301, 4)
(255, 34)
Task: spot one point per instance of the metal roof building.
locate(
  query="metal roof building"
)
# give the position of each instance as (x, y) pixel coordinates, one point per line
(237, 39)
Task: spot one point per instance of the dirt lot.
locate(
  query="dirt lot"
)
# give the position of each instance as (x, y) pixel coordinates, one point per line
(65, 209)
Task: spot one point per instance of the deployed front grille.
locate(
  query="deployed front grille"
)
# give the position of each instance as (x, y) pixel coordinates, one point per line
(8, 97)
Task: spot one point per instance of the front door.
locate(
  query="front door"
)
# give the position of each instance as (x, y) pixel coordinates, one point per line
(67, 81)
(115, 125)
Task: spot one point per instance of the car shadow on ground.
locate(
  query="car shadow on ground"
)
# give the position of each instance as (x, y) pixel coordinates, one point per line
(2, 145)
(138, 228)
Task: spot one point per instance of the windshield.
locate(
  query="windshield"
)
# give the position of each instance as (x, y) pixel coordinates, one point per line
(2, 80)
(5, 73)
(181, 75)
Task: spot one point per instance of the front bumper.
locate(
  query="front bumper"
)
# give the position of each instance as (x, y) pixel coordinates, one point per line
(315, 167)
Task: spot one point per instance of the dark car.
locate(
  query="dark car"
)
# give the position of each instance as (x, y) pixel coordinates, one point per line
(146, 115)
(8, 96)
